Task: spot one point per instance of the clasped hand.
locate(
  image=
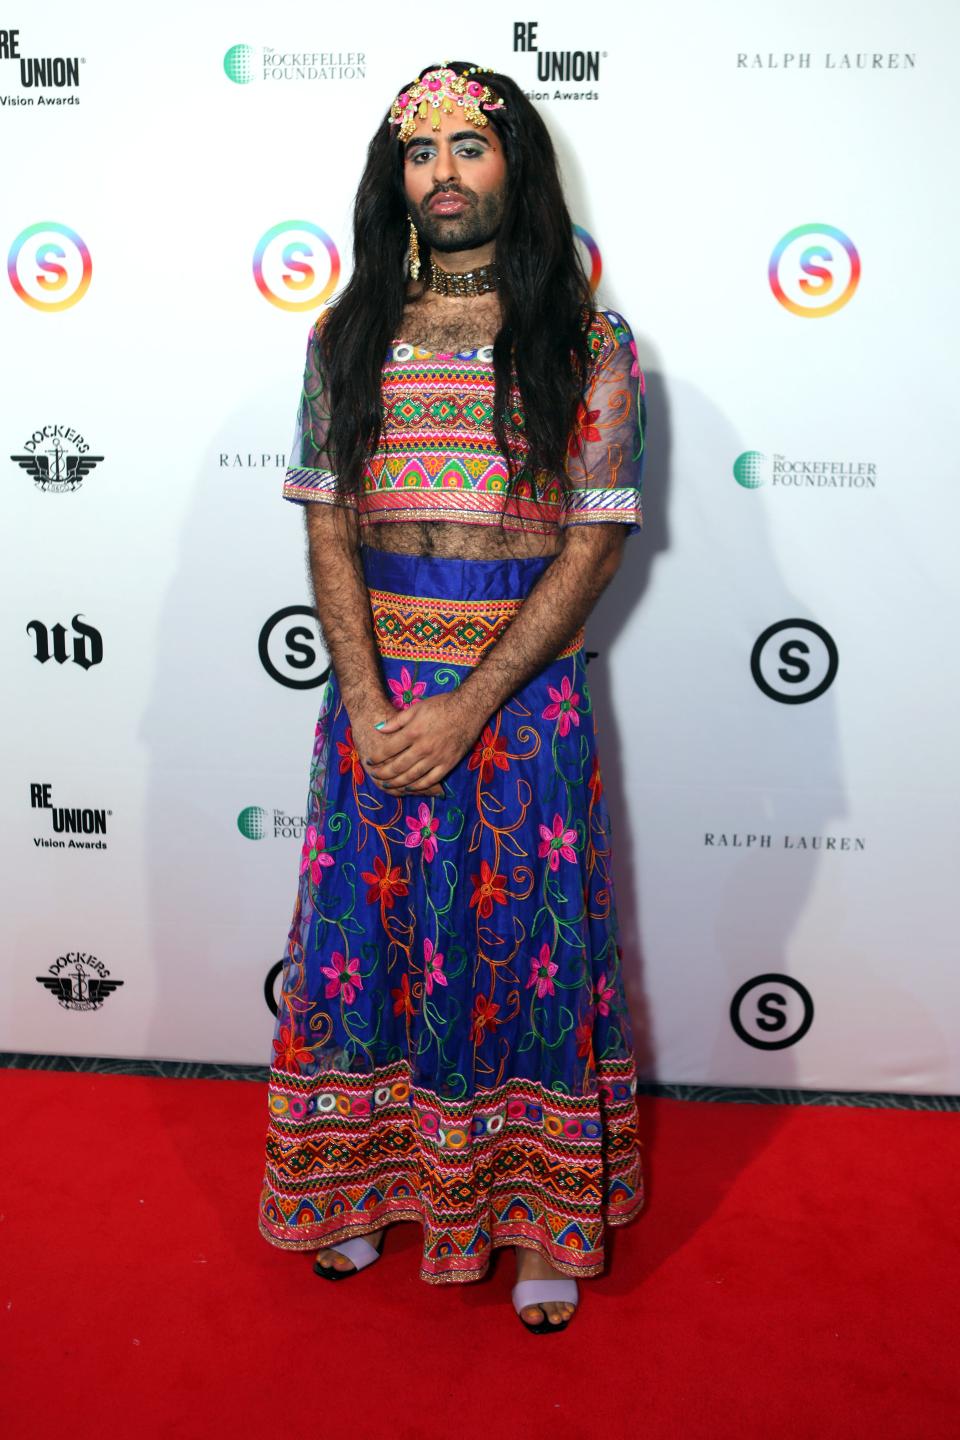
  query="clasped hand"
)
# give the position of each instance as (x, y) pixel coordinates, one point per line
(419, 746)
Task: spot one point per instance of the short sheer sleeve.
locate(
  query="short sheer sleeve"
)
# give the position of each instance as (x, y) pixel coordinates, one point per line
(607, 447)
(309, 476)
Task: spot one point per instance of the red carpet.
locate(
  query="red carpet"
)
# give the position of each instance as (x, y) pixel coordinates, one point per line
(795, 1275)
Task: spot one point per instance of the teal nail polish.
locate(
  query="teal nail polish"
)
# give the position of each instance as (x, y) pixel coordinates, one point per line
(380, 724)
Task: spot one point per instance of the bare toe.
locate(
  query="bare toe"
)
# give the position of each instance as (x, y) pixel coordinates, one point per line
(330, 1260)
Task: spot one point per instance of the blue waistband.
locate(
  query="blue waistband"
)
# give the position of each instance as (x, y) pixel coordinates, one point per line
(451, 577)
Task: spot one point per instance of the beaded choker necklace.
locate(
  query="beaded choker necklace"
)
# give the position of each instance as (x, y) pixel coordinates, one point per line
(470, 282)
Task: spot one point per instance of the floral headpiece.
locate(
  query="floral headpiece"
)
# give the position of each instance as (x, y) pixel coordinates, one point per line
(440, 92)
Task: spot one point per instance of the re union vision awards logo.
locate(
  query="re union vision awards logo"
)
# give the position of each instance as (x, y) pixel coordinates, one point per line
(49, 266)
(296, 265)
(814, 270)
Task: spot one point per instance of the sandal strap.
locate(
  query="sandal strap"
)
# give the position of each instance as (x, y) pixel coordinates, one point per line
(535, 1292)
(358, 1250)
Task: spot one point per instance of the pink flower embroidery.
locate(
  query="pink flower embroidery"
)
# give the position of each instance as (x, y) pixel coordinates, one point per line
(542, 971)
(313, 855)
(404, 692)
(432, 963)
(421, 831)
(563, 709)
(344, 978)
(603, 995)
(556, 842)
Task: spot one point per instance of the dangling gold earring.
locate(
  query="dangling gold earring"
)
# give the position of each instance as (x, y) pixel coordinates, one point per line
(413, 254)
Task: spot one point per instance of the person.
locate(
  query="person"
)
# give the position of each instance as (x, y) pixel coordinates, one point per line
(452, 1043)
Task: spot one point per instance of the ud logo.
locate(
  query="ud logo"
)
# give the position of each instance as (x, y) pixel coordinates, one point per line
(79, 981)
(51, 643)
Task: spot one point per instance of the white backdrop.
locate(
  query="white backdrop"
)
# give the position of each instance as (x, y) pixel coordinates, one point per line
(800, 469)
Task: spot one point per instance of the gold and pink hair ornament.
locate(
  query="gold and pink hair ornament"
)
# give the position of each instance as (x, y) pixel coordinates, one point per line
(442, 92)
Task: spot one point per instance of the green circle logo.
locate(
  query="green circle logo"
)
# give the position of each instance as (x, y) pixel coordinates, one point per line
(238, 64)
(748, 469)
(251, 822)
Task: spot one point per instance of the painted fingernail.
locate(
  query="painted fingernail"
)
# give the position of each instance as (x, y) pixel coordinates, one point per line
(380, 724)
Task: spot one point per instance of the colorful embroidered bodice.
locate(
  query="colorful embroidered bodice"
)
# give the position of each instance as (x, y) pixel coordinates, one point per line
(438, 457)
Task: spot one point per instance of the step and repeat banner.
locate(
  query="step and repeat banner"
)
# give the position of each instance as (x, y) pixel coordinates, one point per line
(764, 192)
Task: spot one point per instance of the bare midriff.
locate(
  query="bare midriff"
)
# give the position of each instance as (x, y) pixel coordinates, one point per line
(457, 541)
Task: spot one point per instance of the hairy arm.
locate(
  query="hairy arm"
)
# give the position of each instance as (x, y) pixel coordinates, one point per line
(549, 617)
(343, 606)
(437, 733)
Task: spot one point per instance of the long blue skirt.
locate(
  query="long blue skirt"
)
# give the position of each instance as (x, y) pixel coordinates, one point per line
(452, 1044)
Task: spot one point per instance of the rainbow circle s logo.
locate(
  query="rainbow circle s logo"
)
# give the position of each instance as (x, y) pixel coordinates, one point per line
(238, 64)
(593, 251)
(35, 271)
(283, 271)
(800, 283)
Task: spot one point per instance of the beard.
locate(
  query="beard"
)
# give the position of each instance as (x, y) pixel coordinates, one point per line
(477, 225)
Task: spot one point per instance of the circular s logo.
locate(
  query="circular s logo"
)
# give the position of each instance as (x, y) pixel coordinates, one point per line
(794, 661)
(49, 266)
(272, 987)
(814, 270)
(771, 1012)
(296, 265)
(593, 264)
(291, 650)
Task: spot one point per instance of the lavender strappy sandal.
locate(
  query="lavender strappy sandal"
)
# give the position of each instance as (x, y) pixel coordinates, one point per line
(535, 1292)
(358, 1250)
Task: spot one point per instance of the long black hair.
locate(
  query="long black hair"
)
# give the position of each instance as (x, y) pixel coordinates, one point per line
(544, 294)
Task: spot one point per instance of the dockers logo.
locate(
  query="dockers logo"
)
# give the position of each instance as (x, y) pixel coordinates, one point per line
(57, 459)
(794, 661)
(291, 650)
(753, 469)
(50, 641)
(79, 981)
(68, 820)
(580, 66)
(771, 1012)
(37, 72)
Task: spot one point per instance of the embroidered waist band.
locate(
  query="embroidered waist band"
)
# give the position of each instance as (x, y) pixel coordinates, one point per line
(431, 628)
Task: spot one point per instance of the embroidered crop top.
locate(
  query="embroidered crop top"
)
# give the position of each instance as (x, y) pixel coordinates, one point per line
(438, 459)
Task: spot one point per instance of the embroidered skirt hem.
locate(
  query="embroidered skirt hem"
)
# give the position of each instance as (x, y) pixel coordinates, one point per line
(517, 1165)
